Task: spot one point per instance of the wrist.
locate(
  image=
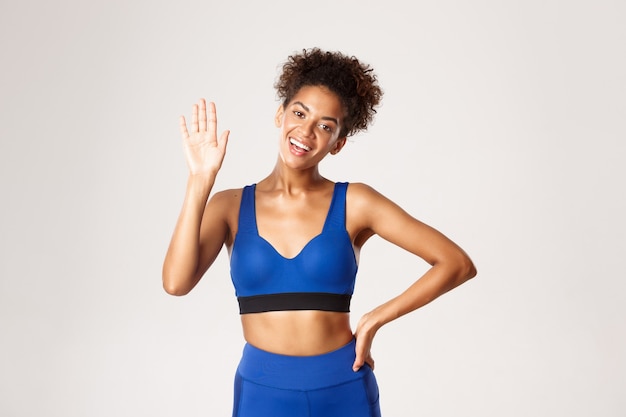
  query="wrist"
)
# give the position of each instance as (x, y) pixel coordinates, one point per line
(200, 184)
(380, 316)
(372, 321)
(201, 178)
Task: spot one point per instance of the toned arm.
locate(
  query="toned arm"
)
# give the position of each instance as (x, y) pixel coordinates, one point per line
(451, 266)
(200, 232)
(201, 228)
(372, 214)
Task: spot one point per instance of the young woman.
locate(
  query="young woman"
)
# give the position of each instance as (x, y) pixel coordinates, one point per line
(294, 240)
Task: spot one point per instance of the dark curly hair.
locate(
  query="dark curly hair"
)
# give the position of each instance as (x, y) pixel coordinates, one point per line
(353, 81)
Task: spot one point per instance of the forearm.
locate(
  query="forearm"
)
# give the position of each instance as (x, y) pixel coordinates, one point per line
(181, 261)
(438, 280)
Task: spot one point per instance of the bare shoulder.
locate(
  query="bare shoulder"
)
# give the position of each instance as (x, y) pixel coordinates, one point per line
(359, 190)
(371, 209)
(360, 194)
(227, 197)
(222, 211)
(365, 206)
(225, 202)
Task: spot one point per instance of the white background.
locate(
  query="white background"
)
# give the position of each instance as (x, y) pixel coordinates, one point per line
(502, 125)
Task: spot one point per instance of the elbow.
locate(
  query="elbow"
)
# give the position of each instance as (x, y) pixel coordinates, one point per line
(173, 286)
(461, 269)
(467, 269)
(472, 271)
(174, 290)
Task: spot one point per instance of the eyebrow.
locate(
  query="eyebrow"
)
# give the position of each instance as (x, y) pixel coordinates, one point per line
(301, 104)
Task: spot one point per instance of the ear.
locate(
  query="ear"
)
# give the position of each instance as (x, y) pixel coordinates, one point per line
(278, 118)
(338, 145)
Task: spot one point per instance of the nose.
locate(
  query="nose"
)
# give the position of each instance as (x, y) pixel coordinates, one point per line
(307, 128)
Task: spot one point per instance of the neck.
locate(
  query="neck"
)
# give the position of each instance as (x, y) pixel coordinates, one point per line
(293, 180)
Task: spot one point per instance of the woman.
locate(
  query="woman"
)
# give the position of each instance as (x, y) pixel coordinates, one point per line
(294, 240)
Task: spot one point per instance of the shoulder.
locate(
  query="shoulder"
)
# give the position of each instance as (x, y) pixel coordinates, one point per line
(372, 206)
(225, 200)
(223, 209)
(359, 193)
(365, 207)
(363, 202)
(227, 195)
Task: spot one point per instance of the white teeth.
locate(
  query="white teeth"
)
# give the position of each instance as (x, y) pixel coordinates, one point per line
(299, 144)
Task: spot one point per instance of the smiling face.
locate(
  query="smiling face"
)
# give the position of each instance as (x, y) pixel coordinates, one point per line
(310, 126)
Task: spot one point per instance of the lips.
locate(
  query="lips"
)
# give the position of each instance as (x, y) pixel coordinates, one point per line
(299, 145)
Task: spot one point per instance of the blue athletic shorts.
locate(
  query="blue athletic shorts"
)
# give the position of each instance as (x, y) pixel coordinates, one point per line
(273, 385)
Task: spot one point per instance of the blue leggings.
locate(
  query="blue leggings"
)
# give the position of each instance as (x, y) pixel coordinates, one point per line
(273, 385)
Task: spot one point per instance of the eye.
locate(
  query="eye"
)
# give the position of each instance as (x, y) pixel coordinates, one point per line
(326, 128)
(298, 114)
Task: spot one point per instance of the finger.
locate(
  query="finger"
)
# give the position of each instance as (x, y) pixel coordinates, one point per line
(202, 125)
(194, 118)
(183, 127)
(212, 127)
(358, 362)
(370, 361)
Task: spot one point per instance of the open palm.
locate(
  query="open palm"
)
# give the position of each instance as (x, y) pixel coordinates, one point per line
(203, 150)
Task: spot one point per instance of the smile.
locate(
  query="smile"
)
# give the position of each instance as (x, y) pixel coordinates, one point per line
(299, 145)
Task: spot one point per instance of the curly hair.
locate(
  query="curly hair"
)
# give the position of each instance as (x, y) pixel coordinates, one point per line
(352, 81)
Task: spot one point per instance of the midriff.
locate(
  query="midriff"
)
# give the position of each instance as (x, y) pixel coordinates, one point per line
(297, 333)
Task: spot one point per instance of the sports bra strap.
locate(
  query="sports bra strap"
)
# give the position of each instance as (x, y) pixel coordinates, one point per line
(337, 212)
(247, 219)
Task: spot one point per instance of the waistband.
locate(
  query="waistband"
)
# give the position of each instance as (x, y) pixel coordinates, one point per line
(299, 372)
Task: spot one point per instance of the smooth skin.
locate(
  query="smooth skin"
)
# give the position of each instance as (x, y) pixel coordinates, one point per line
(291, 206)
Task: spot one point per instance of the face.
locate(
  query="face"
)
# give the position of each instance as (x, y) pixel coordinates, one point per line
(309, 126)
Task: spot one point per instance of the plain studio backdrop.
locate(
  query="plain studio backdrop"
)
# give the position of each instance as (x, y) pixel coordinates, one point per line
(502, 125)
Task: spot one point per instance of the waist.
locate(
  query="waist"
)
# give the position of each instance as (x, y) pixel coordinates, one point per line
(297, 333)
(286, 371)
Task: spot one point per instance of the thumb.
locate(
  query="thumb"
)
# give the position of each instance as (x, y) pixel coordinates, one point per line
(358, 362)
(223, 141)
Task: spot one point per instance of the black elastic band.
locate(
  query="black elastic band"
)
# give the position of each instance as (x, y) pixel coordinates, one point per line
(295, 301)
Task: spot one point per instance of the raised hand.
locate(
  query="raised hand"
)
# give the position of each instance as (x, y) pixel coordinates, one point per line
(203, 150)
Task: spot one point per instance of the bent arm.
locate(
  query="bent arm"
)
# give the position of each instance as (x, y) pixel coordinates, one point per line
(450, 265)
(201, 228)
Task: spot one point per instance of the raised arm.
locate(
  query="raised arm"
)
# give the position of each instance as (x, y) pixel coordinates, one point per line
(450, 265)
(201, 228)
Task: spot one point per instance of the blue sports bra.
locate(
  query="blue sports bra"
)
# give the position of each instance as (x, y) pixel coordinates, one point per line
(320, 277)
